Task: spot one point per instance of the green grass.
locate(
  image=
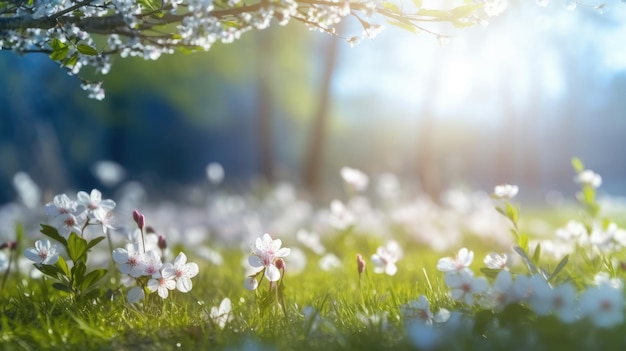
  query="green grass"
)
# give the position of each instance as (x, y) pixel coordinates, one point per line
(35, 316)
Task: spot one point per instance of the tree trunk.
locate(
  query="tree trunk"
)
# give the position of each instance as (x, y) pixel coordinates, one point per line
(315, 158)
(265, 129)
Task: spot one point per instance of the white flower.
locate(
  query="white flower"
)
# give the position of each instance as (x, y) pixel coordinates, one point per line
(162, 282)
(4, 261)
(152, 264)
(505, 191)
(66, 223)
(61, 204)
(354, 178)
(251, 283)
(135, 294)
(418, 311)
(386, 257)
(495, 261)
(563, 303)
(461, 262)
(603, 304)
(540, 296)
(310, 240)
(589, 177)
(215, 173)
(329, 262)
(602, 237)
(494, 7)
(464, 286)
(130, 260)
(572, 230)
(43, 252)
(222, 314)
(501, 290)
(424, 336)
(93, 202)
(183, 272)
(265, 253)
(340, 216)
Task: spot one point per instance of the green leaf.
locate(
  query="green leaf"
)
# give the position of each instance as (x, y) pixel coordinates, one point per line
(86, 50)
(92, 278)
(559, 267)
(418, 3)
(522, 242)
(512, 213)
(60, 54)
(61, 287)
(95, 242)
(537, 254)
(529, 263)
(49, 270)
(71, 61)
(578, 164)
(53, 233)
(78, 272)
(76, 248)
(62, 265)
(56, 44)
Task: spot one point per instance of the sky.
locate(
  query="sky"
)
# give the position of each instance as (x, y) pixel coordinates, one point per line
(477, 63)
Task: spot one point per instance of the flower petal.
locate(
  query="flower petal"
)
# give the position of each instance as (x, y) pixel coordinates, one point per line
(272, 273)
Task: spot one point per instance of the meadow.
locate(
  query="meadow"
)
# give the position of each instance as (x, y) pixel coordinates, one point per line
(378, 268)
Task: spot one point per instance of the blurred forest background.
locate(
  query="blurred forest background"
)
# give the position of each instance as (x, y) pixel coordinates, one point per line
(512, 102)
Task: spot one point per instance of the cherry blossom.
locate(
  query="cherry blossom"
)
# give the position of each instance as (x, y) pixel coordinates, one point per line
(464, 285)
(603, 304)
(340, 217)
(183, 272)
(461, 262)
(354, 178)
(43, 252)
(67, 223)
(589, 177)
(94, 204)
(130, 260)
(505, 191)
(495, 261)
(62, 204)
(386, 257)
(251, 283)
(265, 252)
(222, 314)
(162, 282)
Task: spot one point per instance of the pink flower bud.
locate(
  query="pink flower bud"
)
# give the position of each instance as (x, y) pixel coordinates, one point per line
(162, 243)
(280, 263)
(11, 245)
(360, 263)
(139, 219)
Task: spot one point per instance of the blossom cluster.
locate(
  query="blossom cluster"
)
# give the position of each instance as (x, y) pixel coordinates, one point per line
(63, 29)
(602, 303)
(75, 215)
(142, 261)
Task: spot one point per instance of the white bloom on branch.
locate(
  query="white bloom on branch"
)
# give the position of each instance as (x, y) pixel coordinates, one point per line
(589, 177)
(505, 191)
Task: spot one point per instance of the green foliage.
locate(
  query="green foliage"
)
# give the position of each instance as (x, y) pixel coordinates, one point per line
(75, 280)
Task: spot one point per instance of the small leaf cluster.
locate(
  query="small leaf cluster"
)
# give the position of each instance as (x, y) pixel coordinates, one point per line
(74, 280)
